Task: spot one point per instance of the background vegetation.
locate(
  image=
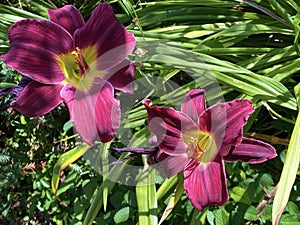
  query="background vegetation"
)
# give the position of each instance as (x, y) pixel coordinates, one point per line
(250, 48)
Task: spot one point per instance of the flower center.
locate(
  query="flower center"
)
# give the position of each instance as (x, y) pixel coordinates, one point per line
(202, 146)
(80, 62)
(77, 65)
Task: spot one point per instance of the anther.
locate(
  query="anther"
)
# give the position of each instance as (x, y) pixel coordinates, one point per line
(80, 61)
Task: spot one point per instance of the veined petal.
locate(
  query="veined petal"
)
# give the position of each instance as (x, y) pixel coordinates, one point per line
(123, 78)
(206, 186)
(108, 114)
(34, 47)
(37, 99)
(193, 104)
(111, 38)
(68, 17)
(96, 113)
(68, 94)
(169, 125)
(225, 122)
(251, 151)
(168, 164)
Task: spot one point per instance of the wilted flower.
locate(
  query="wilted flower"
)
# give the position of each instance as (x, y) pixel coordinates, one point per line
(197, 140)
(75, 62)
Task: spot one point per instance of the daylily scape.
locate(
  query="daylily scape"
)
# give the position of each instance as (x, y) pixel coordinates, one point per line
(197, 140)
(80, 64)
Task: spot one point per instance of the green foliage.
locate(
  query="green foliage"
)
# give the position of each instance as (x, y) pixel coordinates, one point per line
(250, 49)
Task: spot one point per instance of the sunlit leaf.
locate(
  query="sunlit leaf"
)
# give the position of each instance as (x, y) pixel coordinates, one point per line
(146, 198)
(179, 190)
(290, 169)
(65, 160)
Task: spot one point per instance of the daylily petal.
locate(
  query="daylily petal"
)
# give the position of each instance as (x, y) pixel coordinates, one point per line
(108, 114)
(168, 125)
(193, 104)
(225, 122)
(68, 94)
(96, 113)
(251, 151)
(206, 186)
(112, 40)
(34, 47)
(124, 77)
(169, 165)
(68, 17)
(37, 99)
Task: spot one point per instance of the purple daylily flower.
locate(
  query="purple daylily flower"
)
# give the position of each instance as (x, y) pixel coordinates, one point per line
(75, 62)
(197, 140)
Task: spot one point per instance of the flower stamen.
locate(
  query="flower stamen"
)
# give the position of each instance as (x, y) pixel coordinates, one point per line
(199, 145)
(197, 150)
(80, 62)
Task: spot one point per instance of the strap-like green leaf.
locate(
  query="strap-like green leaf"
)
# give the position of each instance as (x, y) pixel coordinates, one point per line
(65, 160)
(146, 198)
(173, 200)
(290, 169)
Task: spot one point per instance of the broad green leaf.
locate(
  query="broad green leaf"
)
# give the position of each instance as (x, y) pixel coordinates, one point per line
(67, 126)
(221, 216)
(288, 219)
(65, 160)
(292, 208)
(239, 194)
(210, 217)
(251, 214)
(122, 215)
(289, 170)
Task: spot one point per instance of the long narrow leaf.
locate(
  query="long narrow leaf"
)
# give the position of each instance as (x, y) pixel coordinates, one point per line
(173, 200)
(290, 169)
(98, 198)
(241, 79)
(65, 160)
(146, 198)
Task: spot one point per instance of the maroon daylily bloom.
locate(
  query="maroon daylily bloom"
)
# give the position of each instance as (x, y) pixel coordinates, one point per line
(75, 62)
(197, 140)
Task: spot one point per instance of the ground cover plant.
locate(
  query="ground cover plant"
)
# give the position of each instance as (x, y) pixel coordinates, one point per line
(149, 112)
